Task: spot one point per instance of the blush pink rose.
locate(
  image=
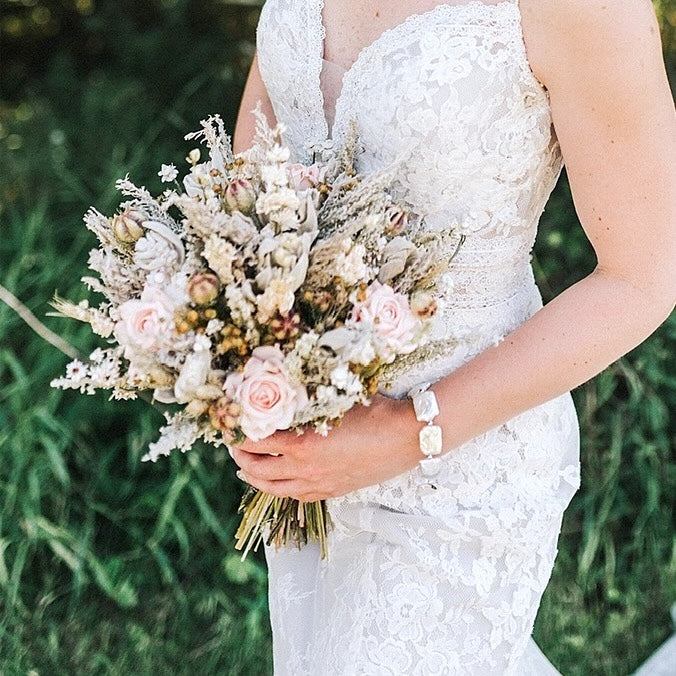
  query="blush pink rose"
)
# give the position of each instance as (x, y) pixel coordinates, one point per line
(144, 323)
(303, 178)
(267, 399)
(389, 316)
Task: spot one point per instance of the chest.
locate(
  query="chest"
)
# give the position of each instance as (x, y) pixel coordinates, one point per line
(451, 80)
(444, 94)
(351, 25)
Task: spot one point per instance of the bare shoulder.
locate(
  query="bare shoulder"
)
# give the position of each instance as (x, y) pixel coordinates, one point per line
(562, 35)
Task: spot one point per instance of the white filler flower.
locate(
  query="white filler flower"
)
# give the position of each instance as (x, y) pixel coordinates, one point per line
(168, 173)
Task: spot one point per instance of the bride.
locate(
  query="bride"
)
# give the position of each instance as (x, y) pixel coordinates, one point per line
(439, 568)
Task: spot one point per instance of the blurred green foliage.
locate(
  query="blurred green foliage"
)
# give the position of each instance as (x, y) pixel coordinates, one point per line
(111, 566)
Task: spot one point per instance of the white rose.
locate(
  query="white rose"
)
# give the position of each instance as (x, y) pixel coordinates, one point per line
(144, 324)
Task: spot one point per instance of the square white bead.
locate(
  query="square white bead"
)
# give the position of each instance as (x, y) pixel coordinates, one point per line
(430, 466)
(425, 406)
(430, 440)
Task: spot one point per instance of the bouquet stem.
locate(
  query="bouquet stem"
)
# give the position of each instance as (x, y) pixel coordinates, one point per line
(285, 520)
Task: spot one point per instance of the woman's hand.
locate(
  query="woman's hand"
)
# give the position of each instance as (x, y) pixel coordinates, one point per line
(371, 444)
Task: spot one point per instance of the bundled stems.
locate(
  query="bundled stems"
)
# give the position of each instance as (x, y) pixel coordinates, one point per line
(283, 520)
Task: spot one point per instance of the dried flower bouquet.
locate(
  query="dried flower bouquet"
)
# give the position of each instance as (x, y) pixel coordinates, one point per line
(257, 295)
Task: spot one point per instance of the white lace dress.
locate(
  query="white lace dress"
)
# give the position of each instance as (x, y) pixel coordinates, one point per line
(441, 578)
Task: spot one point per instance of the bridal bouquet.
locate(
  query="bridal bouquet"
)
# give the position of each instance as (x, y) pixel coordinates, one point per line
(256, 295)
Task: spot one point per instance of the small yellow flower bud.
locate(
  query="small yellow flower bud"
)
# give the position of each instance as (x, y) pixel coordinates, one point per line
(224, 414)
(361, 292)
(196, 408)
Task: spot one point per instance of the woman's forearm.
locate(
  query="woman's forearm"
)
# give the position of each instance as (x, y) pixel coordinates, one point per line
(570, 340)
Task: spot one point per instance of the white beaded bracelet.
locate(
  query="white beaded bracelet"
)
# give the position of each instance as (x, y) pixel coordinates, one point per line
(426, 410)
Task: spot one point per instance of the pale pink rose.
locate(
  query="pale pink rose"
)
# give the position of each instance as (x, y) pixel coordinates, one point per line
(267, 399)
(144, 323)
(389, 316)
(302, 177)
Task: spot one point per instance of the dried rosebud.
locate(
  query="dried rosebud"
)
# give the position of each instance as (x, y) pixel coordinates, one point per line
(397, 220)
(224, 414)
(127, 226)
(193, 156)
(423, 304)
(203, 288)
(240, 196)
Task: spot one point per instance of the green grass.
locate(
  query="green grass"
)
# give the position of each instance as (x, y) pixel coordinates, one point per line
(107, 565)
(110, 566)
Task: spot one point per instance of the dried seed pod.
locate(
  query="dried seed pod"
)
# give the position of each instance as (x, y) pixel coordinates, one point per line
(203, 288)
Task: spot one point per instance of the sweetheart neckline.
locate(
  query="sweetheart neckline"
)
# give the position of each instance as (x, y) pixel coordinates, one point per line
(366, 50)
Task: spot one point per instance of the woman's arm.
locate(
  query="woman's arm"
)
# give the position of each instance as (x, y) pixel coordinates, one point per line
(254, 92)
(614, 116)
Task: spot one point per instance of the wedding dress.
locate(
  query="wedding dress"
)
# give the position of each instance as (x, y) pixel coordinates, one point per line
(444, 575)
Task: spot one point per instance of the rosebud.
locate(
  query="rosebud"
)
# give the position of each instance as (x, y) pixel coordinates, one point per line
(423, 304)
(203, 288)
(397, 220)
(240, 196)
(193, 156)
(127, 226)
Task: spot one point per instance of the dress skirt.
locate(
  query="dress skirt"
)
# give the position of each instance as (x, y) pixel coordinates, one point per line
(434, 576)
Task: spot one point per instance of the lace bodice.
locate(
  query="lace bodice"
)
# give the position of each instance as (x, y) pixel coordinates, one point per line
(447, 95)
(442, 577)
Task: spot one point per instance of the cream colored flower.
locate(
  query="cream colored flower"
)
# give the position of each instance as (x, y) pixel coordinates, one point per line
(167, 173)
(194, 371)
(144, 324)
(277, 297)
